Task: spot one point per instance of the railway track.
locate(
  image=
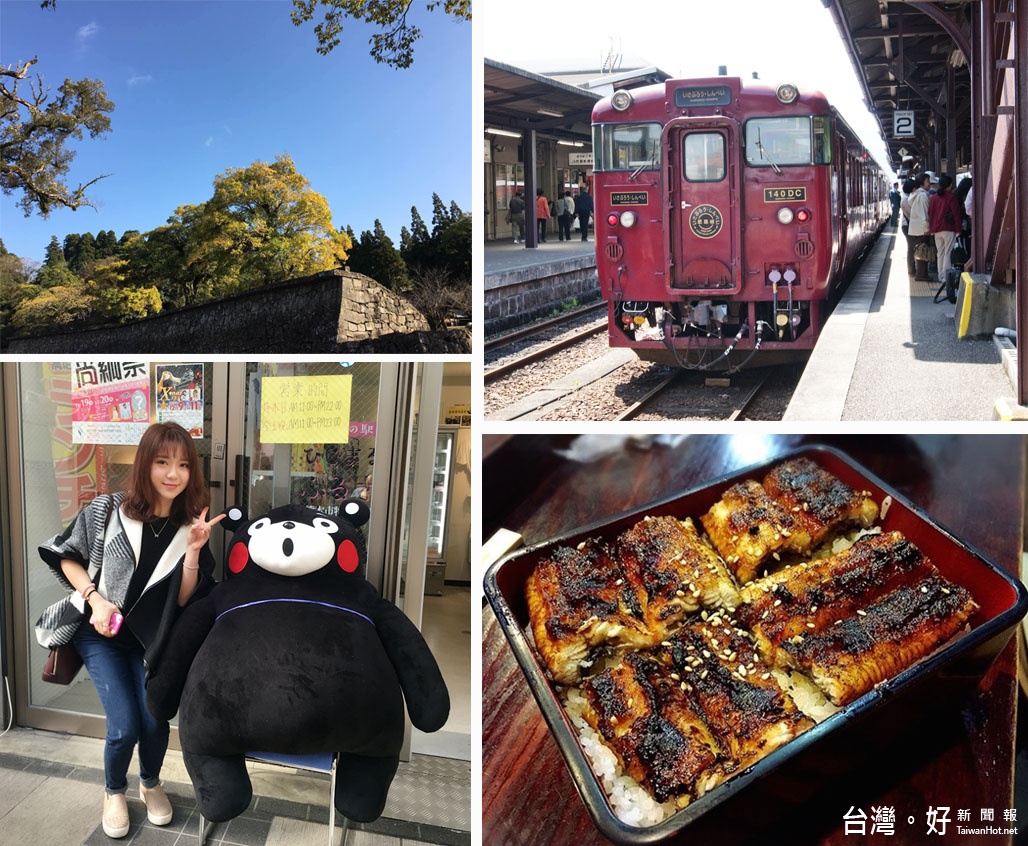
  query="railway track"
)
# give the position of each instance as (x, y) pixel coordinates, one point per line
(545, 351)
(667, 385)
(543, 326)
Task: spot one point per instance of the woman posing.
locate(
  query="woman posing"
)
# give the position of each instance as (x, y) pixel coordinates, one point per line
(140, 554)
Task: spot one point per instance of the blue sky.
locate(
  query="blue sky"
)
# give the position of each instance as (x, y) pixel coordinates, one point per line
(200, 86)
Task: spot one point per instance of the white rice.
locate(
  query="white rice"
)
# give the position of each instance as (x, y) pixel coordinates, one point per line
(628, 799)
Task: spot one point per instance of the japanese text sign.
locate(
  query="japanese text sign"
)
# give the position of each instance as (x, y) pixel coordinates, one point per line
(110, 402)
(305, 409)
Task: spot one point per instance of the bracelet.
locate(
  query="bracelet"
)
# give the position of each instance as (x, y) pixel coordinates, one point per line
(90, 590)
(85, 590)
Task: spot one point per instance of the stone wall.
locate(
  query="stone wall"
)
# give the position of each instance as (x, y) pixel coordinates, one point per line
(516, 297)
(315, 314)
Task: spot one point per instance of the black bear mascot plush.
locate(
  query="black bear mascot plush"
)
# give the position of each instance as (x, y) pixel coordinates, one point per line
(296, 652)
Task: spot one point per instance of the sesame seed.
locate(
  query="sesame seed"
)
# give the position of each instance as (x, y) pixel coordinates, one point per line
(861, 612)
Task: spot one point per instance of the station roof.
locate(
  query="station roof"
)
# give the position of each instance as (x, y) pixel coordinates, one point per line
(519, 100)
(905, 54)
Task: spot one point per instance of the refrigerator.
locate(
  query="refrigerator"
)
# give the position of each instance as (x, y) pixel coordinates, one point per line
(439, 509)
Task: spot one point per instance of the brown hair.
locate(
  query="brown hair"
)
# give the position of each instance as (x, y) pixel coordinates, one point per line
(141, 498)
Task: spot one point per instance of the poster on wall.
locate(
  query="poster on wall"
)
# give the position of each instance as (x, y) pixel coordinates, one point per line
(178, 394)
(305, 409)
(110, 402)
(458, 414)
(80, 469)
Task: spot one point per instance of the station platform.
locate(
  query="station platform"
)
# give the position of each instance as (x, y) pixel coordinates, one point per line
(889, 352)
(503, 257)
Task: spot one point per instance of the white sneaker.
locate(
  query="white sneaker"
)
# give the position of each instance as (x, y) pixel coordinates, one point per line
(158, 808)
(116, 815)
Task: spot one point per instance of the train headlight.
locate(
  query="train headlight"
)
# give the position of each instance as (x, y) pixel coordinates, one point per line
(621, 100)
(784, 215)
(787, 93)
(803, 215)
(626, 219)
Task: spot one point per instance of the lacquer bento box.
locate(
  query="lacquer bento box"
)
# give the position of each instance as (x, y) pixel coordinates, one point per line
(687, 650)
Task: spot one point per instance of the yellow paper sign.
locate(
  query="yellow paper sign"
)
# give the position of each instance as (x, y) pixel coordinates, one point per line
(305, 409)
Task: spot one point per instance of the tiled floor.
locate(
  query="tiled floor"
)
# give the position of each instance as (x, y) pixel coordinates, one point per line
(42, 771)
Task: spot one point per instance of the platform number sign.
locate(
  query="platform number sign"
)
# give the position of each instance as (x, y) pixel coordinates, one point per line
(902, 124)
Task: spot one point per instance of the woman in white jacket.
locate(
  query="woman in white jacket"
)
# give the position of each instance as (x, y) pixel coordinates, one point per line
(918, 229)
(137, 555)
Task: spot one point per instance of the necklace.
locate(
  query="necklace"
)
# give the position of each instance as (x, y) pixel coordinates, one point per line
(156, 532)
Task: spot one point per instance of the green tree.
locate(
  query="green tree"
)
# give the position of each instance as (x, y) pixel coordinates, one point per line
(15, 286)
(117, 301)
(54, 308)
(374, 255)
(266, 224)
(55, 270)
(393, 45)
(35, 131)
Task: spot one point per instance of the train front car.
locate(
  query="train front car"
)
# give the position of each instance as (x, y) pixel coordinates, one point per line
(719, 230)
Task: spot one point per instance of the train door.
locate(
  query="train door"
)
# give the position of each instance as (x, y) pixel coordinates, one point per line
(703, 220)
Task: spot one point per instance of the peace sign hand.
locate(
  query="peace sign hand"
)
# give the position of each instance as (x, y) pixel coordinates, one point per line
(200, 530)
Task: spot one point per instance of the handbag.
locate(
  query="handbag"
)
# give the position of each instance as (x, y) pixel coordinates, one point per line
(64, 661)
(63, 664)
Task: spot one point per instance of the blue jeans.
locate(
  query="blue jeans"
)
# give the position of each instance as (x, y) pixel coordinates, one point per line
(116, 667)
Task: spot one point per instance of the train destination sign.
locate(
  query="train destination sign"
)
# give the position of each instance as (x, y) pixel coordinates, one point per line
(629, 198)
(703, 95)
(785, 195)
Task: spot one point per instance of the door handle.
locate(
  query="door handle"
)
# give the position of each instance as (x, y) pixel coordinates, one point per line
(239, 481)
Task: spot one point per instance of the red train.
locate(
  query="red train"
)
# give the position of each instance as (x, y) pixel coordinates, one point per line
(727, 214)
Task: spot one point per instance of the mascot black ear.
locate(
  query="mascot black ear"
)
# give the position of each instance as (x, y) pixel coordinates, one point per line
(235, 516)
(354, 511)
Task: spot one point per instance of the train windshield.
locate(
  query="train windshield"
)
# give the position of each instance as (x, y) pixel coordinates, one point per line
(781, 141)
(704, 157)
(626, 146)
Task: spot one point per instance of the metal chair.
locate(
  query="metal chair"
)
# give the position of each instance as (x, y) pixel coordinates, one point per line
(320, 763)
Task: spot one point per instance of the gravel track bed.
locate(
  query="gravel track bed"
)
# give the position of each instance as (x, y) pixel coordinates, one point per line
(504, 353)
(688, 399)
(533, 377)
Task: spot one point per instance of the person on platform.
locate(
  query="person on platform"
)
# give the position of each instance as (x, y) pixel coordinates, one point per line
(918, 227)
(944, 222)
(565, 211)
(894, 199)
(584, 207)
(542, 213)
(516, 213)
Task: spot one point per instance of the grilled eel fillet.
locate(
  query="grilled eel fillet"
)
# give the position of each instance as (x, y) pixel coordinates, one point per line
(797, 507)
(687, 714)
(579, 599)
(674, 573)
(653, 727)
(857, 618)
(629, 595)
(822, 503)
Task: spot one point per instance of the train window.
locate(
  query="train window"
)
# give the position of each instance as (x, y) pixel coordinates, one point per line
(822, 139)
(704, 157)
(626, 146)
(773, 142)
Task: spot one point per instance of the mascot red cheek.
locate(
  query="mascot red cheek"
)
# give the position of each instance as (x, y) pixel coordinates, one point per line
(296, 652)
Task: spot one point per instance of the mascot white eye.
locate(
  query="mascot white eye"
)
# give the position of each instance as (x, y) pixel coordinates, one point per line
(326, 526)
(263, 523)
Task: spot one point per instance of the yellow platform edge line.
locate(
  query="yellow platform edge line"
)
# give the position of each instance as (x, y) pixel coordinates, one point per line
(965, 310)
